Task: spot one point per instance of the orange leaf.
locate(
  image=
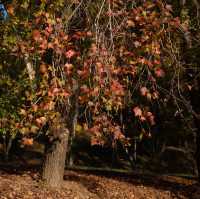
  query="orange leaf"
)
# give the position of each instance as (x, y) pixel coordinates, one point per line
(27, 141)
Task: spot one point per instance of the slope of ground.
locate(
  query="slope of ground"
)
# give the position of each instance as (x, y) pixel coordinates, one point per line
(84, 185)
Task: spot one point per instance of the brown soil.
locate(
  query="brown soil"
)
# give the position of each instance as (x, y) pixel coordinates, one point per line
(83, 185)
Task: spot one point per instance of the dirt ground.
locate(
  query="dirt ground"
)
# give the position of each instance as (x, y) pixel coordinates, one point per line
(85, 185)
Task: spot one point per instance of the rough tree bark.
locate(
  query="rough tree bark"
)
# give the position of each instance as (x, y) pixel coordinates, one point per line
(54, 163)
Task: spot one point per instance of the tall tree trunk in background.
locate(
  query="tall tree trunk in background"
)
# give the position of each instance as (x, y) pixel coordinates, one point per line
(195, 102)
(72, 121)
(8, 147)
(197, 124)
(54, 163)
(190, 60)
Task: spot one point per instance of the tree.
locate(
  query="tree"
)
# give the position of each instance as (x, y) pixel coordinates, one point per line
(187, 63)
(100, 67)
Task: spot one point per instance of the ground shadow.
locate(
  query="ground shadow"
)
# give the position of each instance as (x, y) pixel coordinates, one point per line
(176, 185)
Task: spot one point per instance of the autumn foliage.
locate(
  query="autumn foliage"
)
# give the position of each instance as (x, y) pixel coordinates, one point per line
(87, 64)
(111, 70)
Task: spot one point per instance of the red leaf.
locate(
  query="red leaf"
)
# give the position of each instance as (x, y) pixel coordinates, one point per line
(36, 35)
(137, 111)
(159, 72)
(143, 91)
(70, 53)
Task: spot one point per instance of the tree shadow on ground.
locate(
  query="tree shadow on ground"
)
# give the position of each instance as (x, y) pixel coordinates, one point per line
(179, 187)
(92, 185)
(92, 180)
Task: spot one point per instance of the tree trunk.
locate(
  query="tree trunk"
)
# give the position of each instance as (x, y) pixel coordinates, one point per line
(195, 99)
(197, 124)
(8, 147)
(72, 122)
(72, 125)
(54, 164)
